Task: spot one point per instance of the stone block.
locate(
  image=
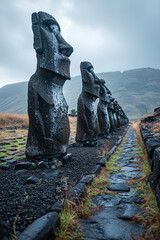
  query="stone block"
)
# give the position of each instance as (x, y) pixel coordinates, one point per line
(41, 229)
(96, 170)
(87, 179)
(151, 145)
(25, 165)
(156, 163)
(77, 191)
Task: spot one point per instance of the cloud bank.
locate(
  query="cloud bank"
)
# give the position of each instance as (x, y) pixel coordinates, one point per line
(112, 34)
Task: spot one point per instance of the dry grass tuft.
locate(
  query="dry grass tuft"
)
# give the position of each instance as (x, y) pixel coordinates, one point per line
(2, 136)
(73, 124)
(136, 127)
(17, 120)
(156, 127)
(13, 120)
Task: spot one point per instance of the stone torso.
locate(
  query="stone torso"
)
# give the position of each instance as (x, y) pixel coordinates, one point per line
(86, 119)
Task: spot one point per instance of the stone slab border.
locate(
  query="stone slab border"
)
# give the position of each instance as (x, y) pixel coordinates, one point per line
(152, 144)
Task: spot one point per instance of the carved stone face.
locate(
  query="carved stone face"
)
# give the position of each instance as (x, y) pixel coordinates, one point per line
(104, 92)
(89, 79)
(111, 104)
(52, 50)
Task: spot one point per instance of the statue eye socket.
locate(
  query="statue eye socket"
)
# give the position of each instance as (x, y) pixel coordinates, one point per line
(47, 27)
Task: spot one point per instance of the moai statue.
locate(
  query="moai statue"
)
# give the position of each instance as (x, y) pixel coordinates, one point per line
(114, 113)
(124, 118)
(102, 111)
(118, 114)
(86, 113)
(110, 112)
(49, 129)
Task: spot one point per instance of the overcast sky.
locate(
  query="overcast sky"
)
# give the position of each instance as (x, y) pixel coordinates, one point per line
(111, 34)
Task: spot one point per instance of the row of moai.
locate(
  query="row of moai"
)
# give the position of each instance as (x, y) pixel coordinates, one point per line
(109, 115)
(49, 129)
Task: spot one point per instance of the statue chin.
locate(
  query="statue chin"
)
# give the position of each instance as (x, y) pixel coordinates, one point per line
(64, 68)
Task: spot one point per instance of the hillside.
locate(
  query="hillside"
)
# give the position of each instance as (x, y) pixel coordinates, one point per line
(137, 91)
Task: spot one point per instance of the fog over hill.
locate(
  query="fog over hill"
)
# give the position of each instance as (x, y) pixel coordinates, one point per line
(137, 91)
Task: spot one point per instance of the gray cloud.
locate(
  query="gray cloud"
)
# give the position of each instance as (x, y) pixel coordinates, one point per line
(112, 34)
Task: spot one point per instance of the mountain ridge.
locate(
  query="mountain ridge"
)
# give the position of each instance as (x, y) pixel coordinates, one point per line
(136, 90)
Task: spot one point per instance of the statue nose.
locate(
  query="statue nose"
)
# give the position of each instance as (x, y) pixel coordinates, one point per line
(65, 49)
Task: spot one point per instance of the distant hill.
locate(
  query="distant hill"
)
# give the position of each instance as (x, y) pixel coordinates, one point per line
(137, 91)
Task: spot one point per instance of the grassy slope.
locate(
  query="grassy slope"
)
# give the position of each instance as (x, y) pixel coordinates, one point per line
(137, 91)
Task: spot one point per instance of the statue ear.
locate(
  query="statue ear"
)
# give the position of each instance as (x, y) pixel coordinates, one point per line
(37, 42)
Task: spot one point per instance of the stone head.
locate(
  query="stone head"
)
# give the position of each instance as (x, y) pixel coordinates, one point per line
(52, 50)
(111, 104)
(89, 79)
(116, 106)
(104, 92)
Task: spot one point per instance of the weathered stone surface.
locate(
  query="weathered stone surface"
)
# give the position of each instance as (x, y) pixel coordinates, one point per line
(77, 191)
(116, 230)
(158, 194)
(25, 165)
(22, 143)
(130, 210)
(157, 110)
(119, 187)
(49, 129)
(86, 116)
(3, 143)
(156, 163)
(58, 206)
(130, 168)
(108, 200)
(119, 141)
(4, 167)
(2, 160)
(52, 173)
(12, 149)
(106, 226)
(41, 229)
(11, 161)
(32, 180)
(96, 170)
(13, 153)
(66, 158)
(57, 163)
(102, 110)
(112, 150)
(115, 180)
(153, 182)
(102, 162)
(87, 179)
(151, 145)
(6, 159)
(43, 165)
(136, 198)
(19, 172)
